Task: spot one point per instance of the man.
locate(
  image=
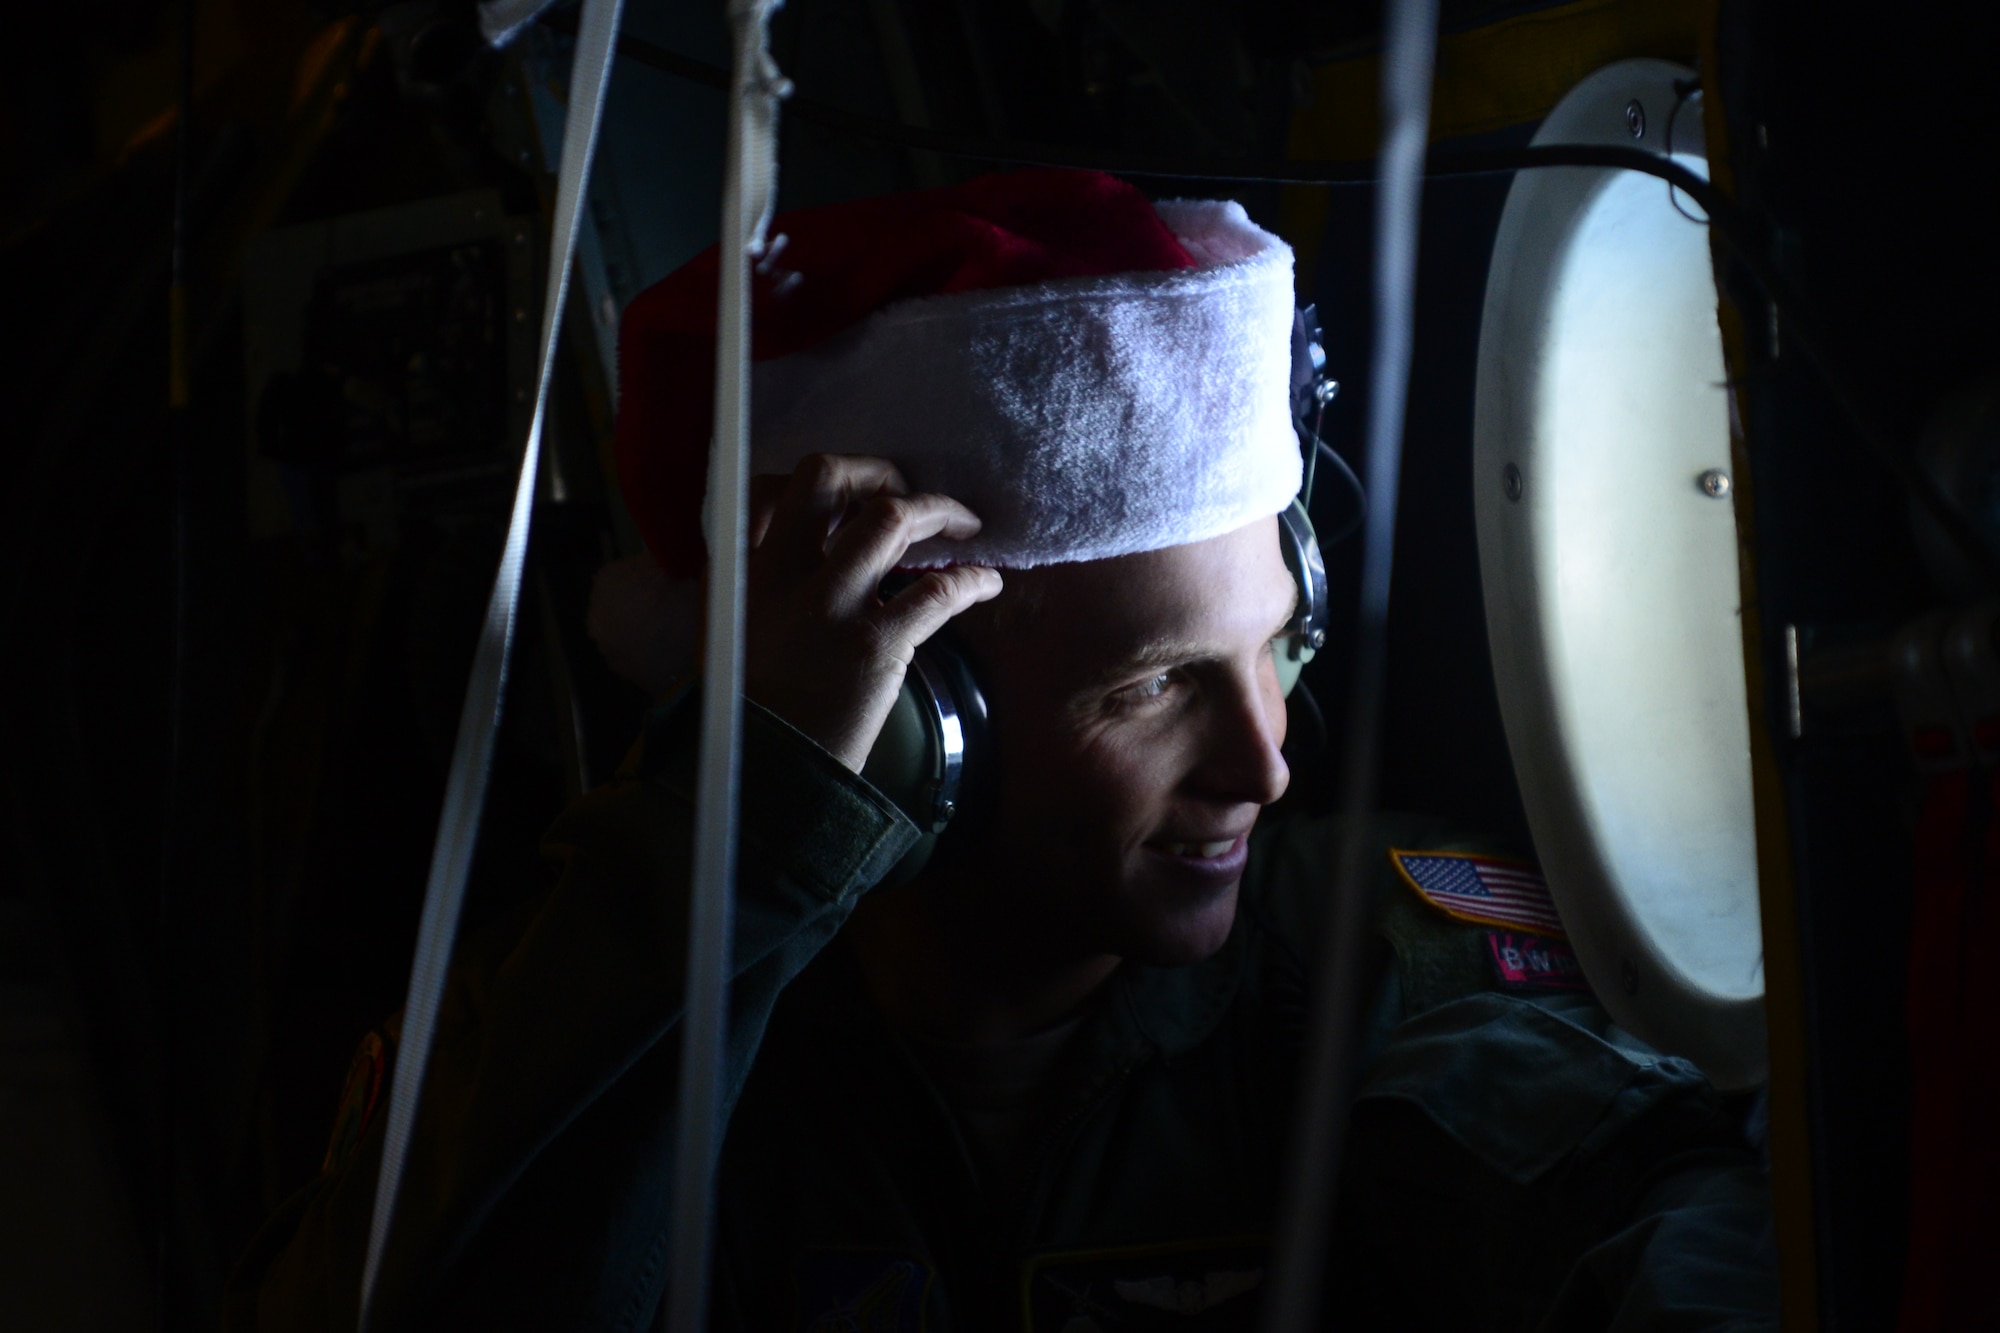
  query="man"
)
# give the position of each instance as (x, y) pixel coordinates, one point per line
(1045, 1083)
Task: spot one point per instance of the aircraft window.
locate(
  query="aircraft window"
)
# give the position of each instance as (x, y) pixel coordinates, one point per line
(1608, 550)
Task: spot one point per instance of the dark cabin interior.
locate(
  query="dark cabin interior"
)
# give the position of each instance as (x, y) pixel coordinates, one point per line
(240, 599)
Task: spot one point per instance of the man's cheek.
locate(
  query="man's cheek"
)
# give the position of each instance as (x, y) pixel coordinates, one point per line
(1119, 758)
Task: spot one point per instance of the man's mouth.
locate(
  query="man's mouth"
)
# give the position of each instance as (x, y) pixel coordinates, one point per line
(1216, 860)
(1206, 851)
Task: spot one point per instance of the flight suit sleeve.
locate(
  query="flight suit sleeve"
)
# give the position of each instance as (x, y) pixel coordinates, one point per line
(1515, 1160)
(540, 1169)
(1697, 1252)
(1561, 1176)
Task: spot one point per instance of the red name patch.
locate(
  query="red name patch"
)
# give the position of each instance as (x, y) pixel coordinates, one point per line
(1533, 962)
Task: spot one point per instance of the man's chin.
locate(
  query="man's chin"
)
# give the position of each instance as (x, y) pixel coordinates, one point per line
(1185, 934)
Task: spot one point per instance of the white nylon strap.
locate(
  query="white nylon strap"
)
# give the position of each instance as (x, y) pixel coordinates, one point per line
(1328, 1058)
(749, 192)
(479, 722)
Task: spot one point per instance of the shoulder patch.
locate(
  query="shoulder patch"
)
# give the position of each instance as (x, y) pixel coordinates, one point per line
(1524, 962)
(359, 1095)
(1482, 890)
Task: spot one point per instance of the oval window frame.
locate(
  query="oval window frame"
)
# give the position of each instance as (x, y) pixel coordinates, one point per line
(1608, 559)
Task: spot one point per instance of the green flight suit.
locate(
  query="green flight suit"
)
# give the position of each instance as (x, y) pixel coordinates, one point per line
(1514, 1162)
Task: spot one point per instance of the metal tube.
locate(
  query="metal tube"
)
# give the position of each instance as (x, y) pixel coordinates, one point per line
(485, 690)
(749, 191)
(1327, 1087)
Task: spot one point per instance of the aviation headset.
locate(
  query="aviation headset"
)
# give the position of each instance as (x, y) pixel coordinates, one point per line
(936, 755)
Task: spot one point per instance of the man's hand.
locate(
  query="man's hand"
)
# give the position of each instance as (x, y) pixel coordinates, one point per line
(824, 651)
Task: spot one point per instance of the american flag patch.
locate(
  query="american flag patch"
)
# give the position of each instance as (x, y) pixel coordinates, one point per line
(1485, 890)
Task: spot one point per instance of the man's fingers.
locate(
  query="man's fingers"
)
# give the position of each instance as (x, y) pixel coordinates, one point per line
(821, 489)
(923, 608)
(874, 540)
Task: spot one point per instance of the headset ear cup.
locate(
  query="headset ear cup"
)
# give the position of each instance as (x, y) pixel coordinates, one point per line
(899, 766)
(979, 749)
(1307, 630)
(1292, 656)
(1306, 740)
(904, 755)
(934, 757)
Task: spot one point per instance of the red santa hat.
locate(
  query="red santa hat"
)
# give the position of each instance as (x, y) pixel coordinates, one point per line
(1091, 373)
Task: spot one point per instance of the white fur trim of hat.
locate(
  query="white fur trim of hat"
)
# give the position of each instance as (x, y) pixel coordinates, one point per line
(1080, 419)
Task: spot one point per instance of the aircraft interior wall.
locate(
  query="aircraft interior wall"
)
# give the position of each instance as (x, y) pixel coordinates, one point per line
(259, 480)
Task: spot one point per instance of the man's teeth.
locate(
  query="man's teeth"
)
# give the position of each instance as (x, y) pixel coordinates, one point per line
(1207, 851)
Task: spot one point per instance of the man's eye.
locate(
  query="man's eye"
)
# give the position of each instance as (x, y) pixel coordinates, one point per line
(1147, 690)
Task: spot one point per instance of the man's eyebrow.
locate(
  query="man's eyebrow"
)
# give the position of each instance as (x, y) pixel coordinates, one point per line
(1159, 653)
(1179, 652)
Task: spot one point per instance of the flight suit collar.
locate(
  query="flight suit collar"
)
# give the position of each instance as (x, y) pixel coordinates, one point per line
(1143, 1010)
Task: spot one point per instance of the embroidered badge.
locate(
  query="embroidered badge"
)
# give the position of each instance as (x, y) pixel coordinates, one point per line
(861, 1291)
(1533, 962)
(1485, 890)
(359, 1095)
(1202, 1285)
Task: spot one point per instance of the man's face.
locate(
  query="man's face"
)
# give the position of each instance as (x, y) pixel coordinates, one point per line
(1138, 718)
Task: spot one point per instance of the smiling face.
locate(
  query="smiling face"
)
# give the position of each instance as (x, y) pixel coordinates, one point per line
(1139, 717)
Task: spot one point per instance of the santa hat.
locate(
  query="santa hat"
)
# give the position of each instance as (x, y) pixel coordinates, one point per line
(1091, 373)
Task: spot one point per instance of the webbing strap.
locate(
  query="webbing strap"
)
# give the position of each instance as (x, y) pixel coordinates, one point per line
(1320, 1122)
(479, 722)
(749, 192)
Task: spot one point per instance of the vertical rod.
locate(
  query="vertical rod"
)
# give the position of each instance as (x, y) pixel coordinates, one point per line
(711, 924)
(749, 187)
(179, 395)
(1327, 1088)
(486, 685)
(178, 370)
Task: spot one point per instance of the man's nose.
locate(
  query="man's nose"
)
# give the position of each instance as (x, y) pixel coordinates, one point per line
(1243, 762)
